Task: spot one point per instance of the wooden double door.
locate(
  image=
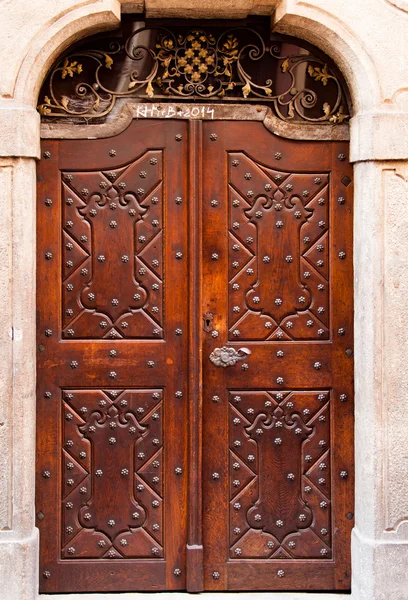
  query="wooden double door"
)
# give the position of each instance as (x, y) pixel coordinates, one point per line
(195, 370)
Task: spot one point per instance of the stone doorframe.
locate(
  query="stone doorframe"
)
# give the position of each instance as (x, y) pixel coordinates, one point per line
(353, 37)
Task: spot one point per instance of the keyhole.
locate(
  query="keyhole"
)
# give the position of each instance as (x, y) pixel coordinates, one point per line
(207, 318)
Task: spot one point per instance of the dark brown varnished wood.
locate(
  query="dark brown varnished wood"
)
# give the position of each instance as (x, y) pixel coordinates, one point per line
(157, 469)
(278, 424)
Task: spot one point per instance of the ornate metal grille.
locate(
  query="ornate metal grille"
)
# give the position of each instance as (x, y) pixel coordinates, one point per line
(155, 62)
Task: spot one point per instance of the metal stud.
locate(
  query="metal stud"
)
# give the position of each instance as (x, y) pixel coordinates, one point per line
(112, 374)
(214, 256)
(213, 137)
(215, 476)
(48, 255)
(178, 331)
(278, 155)
(177, 572)
(341, 331)
(178, 137)
(46, 574)
(341, 157)
(343, 397)
(47, 154)
(178, 470)
(215, 575)
(214, 203)
(340, 200)
(179, 255)
(343, 474)
(342, 255)
(317, 365)
(46, 474)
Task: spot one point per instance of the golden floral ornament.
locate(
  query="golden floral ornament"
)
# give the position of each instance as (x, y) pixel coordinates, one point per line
(159, 63)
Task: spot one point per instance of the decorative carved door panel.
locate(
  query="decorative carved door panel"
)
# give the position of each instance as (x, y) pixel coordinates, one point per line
(277, 400)
(195, 386)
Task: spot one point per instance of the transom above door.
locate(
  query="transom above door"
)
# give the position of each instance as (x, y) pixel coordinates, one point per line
(195, 371)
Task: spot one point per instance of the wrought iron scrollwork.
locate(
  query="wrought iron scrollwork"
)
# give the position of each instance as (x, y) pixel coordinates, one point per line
(158, 63)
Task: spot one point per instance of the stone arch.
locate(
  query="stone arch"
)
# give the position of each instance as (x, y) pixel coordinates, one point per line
(334, 38)
(305, 22)
(67, 28)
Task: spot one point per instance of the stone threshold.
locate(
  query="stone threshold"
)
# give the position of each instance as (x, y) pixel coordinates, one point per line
(204, 596)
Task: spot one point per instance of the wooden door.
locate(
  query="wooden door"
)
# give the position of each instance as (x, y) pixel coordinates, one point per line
(278, 421)
(112, 340)
(158, 467)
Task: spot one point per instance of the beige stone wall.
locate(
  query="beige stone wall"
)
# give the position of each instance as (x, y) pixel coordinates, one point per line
(369, 41)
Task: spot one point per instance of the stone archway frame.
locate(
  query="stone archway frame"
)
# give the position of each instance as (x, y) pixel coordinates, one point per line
(369, 134)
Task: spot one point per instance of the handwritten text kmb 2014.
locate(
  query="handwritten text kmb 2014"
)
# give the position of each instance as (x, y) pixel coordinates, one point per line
(169, 111)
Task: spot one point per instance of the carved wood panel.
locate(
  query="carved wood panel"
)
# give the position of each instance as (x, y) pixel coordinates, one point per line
(280, 483)
(114, 219)
(115, 438)
(278, 249)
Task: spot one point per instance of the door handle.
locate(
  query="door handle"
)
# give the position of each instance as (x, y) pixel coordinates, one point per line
(228, 356)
